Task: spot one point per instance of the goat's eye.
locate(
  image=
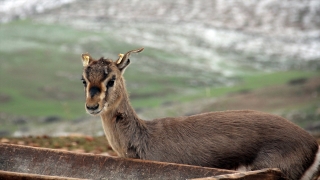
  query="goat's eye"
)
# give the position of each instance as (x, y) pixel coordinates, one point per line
(110, 83)
(84, 82)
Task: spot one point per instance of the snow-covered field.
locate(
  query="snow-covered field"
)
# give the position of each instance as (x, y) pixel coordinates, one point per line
(220, 35)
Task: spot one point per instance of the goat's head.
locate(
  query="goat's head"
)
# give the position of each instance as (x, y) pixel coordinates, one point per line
(103, 81)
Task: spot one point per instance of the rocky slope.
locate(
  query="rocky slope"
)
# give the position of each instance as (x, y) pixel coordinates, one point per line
(268, 34)
(265, 31)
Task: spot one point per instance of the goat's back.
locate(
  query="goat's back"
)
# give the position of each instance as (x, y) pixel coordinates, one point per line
(232, 139)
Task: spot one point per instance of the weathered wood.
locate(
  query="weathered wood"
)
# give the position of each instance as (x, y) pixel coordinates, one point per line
(23, 176)
(22, 162)
(265, 174)
(49, 162)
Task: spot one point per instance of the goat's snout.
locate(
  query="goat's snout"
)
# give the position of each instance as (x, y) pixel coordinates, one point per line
(93, 91)
(92, 108)
(93, 102)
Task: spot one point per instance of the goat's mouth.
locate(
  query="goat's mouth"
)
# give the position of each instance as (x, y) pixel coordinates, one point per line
(94, 110)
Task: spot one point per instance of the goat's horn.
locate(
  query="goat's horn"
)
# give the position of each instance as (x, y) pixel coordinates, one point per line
(126, 55)
(120, 58)
(86, 58)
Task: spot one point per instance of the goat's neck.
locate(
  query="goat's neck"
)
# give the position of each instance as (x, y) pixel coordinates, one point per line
(124, 129)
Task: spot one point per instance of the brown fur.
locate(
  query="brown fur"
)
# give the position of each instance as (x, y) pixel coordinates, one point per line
(217, 139)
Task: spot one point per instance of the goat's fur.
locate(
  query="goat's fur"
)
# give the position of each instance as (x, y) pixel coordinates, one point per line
(245, 139)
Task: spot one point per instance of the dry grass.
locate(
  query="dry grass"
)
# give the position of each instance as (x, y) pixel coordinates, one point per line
(272, 98)
(76, 143)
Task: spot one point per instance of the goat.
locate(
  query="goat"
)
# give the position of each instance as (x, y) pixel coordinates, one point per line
(236, 140)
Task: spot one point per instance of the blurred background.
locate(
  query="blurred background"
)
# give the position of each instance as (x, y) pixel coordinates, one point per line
(200, 56)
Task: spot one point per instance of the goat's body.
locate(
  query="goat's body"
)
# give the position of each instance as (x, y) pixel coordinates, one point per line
(228, 140)
(239, 140)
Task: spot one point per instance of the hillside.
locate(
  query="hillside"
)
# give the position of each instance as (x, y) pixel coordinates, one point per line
(272, 34)
(197, 56)
(268, 33)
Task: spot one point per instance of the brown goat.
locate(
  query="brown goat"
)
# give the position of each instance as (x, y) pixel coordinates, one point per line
(237, 140)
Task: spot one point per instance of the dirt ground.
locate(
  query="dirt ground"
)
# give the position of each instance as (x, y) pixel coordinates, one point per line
(294, 94)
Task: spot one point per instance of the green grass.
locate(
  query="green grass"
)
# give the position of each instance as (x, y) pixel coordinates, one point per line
(40, 71)
(251, 82)
(40, 68)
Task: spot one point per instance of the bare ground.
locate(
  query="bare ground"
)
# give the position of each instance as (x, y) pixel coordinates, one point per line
(294, 94)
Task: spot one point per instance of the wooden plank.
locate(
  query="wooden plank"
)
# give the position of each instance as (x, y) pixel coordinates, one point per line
(49, 162)
(24, 176)
(264, 174)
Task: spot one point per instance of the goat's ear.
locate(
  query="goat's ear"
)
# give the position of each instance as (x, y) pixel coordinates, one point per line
(86, 59)
(123, 60)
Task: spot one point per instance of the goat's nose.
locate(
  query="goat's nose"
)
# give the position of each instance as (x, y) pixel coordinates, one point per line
(92, 108)
(93, 91)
